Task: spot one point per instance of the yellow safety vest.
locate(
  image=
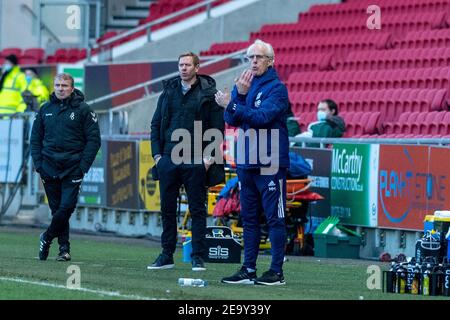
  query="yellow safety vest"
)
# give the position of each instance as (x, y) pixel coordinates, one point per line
(39, 90)
(11, 94)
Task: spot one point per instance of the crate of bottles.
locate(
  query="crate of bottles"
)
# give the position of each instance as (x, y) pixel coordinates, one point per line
(428, 278)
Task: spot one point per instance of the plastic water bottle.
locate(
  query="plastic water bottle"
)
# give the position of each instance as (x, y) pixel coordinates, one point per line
(189, 282)
(415, 286)
(426, 281)
(187, 250)
(391, 279)
(401, 279)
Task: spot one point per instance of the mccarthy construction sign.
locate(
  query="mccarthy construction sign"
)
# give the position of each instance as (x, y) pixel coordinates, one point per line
(354, 183)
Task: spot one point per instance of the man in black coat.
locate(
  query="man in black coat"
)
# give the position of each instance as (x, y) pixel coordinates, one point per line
(64, 142)
(186, 111)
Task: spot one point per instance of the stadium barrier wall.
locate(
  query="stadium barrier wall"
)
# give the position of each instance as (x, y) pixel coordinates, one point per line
(382, 190)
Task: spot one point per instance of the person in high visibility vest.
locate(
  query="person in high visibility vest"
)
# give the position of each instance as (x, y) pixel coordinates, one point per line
(36, 87)
(12, 84)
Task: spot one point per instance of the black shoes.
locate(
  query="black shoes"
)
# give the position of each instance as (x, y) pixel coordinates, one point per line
(63, 256)
(163, 261)
(241, 277)
(271, 278)
(198, 264)
(44, 247)
(64, 253)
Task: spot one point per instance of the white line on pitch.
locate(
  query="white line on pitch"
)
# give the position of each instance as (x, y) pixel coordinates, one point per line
(99, 292)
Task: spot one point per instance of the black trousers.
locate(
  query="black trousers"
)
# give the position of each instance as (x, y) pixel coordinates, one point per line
(62, 198)
(193, 177)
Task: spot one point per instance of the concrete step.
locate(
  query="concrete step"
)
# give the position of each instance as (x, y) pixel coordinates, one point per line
(136, 12)
(123, 23)
(25, 217)
(144, 3)
(30, 215)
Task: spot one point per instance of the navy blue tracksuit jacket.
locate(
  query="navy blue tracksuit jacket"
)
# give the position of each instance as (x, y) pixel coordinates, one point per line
(263, 144)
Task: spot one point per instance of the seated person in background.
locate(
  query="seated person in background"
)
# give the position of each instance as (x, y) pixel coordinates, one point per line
(329, 124)
(291, 122)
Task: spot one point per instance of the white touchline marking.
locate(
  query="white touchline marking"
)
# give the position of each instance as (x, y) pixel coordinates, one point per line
(99, 292)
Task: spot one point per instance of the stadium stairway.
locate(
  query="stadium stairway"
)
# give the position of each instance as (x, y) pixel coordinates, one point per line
(232, 21)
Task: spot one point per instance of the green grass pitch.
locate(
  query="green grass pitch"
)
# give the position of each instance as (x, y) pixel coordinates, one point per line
(116, 269)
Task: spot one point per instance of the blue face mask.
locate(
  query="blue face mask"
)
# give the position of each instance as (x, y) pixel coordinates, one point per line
(7, 67)
(321, 115)
(28, 78)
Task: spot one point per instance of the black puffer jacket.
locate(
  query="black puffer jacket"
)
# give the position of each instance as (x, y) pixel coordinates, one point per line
(65, 137)
(207, 111)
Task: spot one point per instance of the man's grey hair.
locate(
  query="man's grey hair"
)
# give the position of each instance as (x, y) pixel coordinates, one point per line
(267, 46)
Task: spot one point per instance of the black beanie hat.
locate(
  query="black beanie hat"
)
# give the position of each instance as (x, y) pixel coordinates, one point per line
(12, 58)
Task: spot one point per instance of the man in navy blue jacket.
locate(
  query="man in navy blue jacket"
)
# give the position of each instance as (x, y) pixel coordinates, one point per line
(258, 106)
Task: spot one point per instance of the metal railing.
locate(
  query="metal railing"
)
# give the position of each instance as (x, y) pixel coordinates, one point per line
(238, 54)
(43, 25)
(85, 4)
(414, 141)
(106, 44)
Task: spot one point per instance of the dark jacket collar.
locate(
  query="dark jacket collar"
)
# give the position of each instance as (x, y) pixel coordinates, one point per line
(75, 99)
(207, 84)
(269, 75)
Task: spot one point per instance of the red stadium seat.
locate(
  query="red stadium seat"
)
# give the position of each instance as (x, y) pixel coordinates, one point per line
(15, 51)
(27, 60)
(36, 53)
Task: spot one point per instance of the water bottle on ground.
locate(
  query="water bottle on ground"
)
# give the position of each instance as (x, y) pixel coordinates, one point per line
(189, 282)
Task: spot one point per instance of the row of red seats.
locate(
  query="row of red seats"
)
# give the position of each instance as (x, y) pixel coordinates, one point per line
(369, 123)
(435, 122)
(163, 8)
(37, 55)
(424, 39)
(157, 10)
(403, 136)
(331, 11)
(27, 56)
(361, 123)
(415, 78)
(398, 24)
(341, 44)
(225, 48)
(391, 103)
(67, 55)
(355, 122)
(397, 58)
(286, 64)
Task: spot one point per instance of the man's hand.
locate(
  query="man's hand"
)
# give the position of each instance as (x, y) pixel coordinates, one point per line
(244, 82)
(223, 98)
(208, 161)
